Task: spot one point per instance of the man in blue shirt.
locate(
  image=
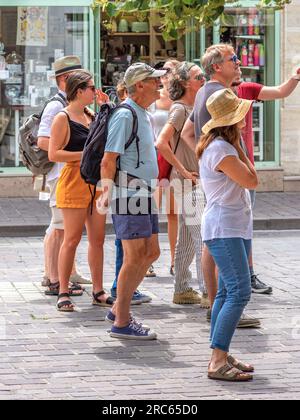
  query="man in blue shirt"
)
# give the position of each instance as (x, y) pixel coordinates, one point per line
(134, 216)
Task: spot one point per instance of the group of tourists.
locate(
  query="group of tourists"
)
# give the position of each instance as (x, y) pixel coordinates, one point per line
(193, 124)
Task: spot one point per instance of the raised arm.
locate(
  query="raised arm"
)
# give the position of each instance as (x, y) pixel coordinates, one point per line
(239, 169)
(269, 93)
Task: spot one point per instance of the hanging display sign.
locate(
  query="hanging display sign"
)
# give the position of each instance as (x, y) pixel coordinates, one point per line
(32, 26)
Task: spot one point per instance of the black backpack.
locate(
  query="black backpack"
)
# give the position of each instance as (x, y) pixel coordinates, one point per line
(94, 147)
(34, 158)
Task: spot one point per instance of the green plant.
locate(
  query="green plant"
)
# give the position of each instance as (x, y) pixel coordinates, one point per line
(176, 13)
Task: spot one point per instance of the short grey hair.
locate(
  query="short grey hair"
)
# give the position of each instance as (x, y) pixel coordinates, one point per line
(214, 55)
(177, 81)
(131, 90)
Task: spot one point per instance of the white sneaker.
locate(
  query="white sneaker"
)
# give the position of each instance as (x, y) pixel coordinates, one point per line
(78, 278)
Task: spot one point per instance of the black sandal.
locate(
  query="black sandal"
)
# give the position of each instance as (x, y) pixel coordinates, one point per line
(66, 305)
(74, 290)
(108, 302)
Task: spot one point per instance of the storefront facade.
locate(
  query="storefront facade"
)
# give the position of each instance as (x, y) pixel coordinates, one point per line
(27, 55)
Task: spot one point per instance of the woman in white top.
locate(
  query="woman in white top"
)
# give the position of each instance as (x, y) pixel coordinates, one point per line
(160, 112)
(226, 174)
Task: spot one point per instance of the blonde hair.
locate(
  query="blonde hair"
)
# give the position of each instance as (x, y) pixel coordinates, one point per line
(230, 133)
(122, 90)
(214, 55)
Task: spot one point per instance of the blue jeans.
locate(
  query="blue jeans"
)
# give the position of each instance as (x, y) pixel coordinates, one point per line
(234, 288)
(119, 262)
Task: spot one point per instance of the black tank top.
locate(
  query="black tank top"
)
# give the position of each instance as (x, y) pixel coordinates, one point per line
(78, 135)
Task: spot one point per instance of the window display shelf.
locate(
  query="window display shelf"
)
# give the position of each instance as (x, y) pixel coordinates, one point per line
(130, 34)
(252, 68)
(257, 37)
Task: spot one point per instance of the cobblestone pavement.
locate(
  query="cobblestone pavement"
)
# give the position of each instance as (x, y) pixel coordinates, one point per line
(50, 355)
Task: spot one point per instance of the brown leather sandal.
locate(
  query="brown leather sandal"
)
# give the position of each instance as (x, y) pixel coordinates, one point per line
(74, 290)
(230, 374)
(96, 301)
(66, 305)
(244, 367)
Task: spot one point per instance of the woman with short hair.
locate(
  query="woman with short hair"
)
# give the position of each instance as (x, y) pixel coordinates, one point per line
(185, 81)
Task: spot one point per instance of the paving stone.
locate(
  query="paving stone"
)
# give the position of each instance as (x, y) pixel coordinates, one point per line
(48, 355)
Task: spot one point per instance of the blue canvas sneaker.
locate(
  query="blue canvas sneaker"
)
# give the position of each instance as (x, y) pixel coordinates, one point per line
(133, 331)
(137, 297)
(110, 317)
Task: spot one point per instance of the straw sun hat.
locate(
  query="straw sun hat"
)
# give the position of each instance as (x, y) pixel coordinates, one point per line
(225, 109)
(66, 64)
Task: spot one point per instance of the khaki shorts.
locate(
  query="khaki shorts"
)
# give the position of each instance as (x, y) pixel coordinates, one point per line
(57, 221)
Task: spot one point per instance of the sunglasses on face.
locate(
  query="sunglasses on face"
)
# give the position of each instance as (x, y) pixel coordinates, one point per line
(167, 70)
(199, 77)
(234, 59)
(93, 88)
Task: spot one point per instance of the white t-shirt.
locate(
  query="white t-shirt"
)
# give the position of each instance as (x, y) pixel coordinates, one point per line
(228, 212)
(51, 110)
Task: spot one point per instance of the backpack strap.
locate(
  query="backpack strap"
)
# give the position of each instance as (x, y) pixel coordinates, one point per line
(134, 131)
(58, 97)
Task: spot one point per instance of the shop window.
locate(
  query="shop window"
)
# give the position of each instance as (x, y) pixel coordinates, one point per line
(252, 33)
(31, 38)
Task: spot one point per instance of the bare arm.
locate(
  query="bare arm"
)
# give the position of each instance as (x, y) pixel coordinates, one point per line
(43, 143)
(269, 93)
(108, 171)
(240, 170)
(59, 138)
(163, 145)
(188, 134)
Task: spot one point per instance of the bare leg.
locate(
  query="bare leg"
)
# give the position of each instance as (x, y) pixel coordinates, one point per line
(145, 251)
(74, 220)
(95, 225)
(171, 210)
(46, 258)
(54, 243)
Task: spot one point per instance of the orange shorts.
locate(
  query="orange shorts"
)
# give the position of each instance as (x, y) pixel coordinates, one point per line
(72, 192)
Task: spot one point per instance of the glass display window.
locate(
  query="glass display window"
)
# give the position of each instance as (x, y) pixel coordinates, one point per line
(31, 39)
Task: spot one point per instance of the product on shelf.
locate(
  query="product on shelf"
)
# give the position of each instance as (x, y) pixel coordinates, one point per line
(250, 54)
(244, 55)
(261, 55)
(256, 55)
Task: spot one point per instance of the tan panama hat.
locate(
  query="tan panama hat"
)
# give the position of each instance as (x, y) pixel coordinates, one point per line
(66, 64)
(225, 109)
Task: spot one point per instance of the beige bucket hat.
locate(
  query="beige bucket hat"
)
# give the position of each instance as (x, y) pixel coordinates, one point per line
(141, 71)
(225, 109)
(66, 64)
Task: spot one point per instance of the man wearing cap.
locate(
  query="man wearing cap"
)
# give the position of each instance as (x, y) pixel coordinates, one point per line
(55, 232)
(134, 217)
